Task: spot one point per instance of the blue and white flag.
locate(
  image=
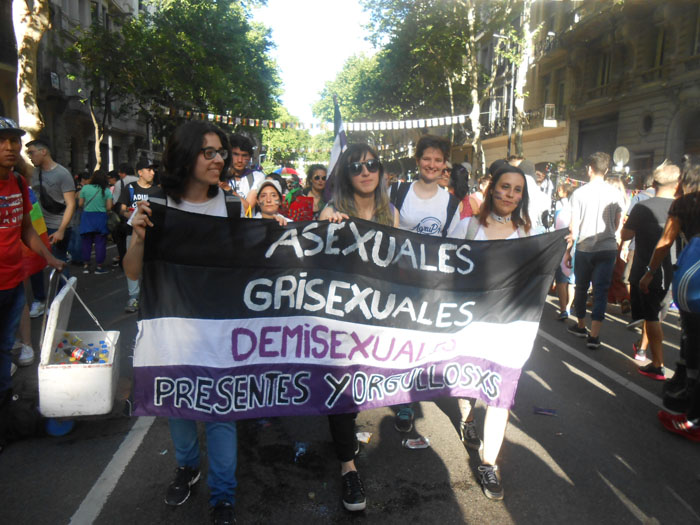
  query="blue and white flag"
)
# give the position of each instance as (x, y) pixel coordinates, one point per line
(340, 144)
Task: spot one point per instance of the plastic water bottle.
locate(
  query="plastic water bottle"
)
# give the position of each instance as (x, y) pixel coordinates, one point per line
(81, 354)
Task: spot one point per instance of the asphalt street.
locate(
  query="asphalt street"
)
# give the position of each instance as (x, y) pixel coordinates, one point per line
(603, 458)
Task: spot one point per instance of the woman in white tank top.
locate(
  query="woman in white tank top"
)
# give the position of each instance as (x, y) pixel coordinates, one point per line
(503, 215)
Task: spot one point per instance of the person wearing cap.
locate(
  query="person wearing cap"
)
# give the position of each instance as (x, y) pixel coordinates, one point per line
(646, 225)
(15, 228)
(134, 193)
(269, 194)
(120, 233)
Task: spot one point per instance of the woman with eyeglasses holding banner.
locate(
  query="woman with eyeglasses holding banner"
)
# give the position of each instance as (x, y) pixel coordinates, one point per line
(315, 182)
(196, 156)
(360, 192)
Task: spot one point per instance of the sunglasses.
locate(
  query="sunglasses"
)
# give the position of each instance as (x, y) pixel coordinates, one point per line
(322, 177)
(210, 153)
(372, 166)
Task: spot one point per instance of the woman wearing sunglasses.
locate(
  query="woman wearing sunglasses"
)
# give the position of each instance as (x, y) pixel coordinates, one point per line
(195, 158)
(315, 182)
(359, 192)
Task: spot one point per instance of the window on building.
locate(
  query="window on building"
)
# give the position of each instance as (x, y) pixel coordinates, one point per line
(561, 91)
(546, 90)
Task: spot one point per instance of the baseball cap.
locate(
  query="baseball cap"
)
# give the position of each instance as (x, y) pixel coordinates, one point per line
(8, 125)
(144, 163)
(270, 182)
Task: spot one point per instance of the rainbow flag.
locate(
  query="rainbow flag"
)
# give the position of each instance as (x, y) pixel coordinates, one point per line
(32, 261)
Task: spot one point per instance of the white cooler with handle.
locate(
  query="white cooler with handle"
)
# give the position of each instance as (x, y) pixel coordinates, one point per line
(75, 389)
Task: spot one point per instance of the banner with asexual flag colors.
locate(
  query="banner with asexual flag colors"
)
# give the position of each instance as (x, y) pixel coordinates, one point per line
(243, 318)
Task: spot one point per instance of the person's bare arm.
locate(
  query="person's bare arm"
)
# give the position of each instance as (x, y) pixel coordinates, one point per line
(31, 238)
(58, 235)
(668, 237)
(133, 260)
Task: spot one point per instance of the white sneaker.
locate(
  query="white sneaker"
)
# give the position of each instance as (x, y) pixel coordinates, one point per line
(26, 356)
(13, 369)
(17, 345)
(37, 309)
(132, 306)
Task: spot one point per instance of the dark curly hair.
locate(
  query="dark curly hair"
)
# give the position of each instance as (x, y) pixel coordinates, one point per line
(181, 153)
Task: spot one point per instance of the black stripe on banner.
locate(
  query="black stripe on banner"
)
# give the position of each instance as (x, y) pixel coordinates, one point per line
(354, 247)
(222, 293)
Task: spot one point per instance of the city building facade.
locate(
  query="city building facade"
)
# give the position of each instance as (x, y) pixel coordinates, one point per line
(68, 124)
(602, 74)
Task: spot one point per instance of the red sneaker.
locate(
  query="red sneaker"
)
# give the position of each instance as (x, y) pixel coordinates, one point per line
(682, 427)
(669, 417)
(657, 373)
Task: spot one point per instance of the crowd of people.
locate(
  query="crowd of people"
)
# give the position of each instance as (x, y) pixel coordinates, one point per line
(202, 165)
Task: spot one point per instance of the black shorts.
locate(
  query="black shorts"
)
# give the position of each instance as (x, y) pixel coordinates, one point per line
(648, 306)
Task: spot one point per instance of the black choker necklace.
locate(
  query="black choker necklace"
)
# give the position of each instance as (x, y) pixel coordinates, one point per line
(498, 218)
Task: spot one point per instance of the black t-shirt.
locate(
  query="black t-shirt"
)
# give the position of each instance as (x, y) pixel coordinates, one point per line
(133, 193)
(647, 219)
(687, 210)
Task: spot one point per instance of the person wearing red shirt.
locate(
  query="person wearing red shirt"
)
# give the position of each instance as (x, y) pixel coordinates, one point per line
(15, 228)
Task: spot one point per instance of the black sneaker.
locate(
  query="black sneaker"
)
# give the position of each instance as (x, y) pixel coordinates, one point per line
(677, 382)
(593, 342)
(353, 492)
(578, 332)
(470, 437)
(658, 373)
(403, 422)
(680, 400)
(222, 513)
(490, 481)
(179, 490)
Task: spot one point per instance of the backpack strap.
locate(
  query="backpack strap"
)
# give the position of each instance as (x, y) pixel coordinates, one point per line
(452, 206)
(233, 205)
(472, 228)
(251, 180)
(398, 192)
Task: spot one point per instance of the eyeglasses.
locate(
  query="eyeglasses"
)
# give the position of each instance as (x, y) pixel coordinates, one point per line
(323, 177)
(372, 166)
(447, 170)
(210, 153)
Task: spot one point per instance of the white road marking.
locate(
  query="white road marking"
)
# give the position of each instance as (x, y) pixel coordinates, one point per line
(626, 383)
(92, 505)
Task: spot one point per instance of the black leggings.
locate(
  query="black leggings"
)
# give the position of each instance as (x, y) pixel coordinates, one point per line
(342, 428)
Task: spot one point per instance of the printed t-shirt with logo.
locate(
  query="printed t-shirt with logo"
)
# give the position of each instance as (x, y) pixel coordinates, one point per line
(427, 216)
(14, 204)
(134, 193)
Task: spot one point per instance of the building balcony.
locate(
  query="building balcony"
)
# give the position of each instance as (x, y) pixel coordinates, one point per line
(548, 116)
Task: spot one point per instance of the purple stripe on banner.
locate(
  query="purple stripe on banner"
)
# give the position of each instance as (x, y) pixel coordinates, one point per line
(211, 394)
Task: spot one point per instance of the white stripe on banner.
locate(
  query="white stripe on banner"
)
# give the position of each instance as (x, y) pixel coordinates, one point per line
(318, 341)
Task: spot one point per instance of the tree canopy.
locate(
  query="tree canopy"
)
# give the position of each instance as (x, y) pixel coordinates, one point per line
(186, 54)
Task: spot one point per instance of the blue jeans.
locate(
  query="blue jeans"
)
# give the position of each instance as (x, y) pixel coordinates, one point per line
(11, 306)
(222, 450)
(593, 268)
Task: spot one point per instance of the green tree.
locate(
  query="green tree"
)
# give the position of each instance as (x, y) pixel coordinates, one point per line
(284, 146)
(427, 63)
(179, 55)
